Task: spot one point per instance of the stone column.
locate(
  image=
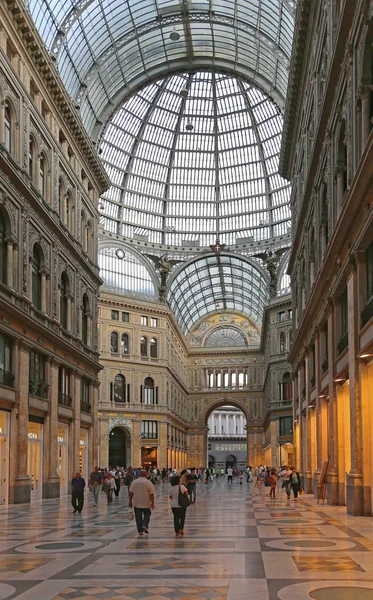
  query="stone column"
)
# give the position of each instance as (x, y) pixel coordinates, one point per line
(340, 175)
(21, 491)
(44, 291)
(2, 121)
(332, 489)
(162, 446)
(365, 116)
(69, 315)
(51, 489)
(273, 430)
(354, 500)
(95, 432)
(76, 423)
(307, 433)
(136, 455)
(9, 266)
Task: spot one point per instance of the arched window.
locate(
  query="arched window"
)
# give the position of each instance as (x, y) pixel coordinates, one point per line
(3, 251)
(43, 189)
(87, 245)
(31, 159)
(36, 276)
(143, 346)
(114, 342)
(60, 196)
(85, 314)
(64, 288)
(8, 129)
(150, 392)
(286, 388)
(282, 343)
(125, 343)
(83, 222)
(120, 388)
(153, 348)
(68, 204)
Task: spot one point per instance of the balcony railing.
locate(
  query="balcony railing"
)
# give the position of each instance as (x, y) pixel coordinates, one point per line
(85, 407)
(6, 378)
(367, 312)
(343, 343)
(38, 388)
(65, 399)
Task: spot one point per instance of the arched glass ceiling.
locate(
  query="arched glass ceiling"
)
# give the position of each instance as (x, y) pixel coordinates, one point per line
(123, 272)
(106, 49)
(216, 283)
(226, 336)
(188, 170)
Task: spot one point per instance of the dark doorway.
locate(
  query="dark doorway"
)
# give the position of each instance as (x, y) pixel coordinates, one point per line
(211, 461)
(230, 461)
(117, 448)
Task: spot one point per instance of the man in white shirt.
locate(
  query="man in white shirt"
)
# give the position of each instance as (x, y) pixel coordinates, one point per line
(230, 474)
(285, 478)
(141, 497)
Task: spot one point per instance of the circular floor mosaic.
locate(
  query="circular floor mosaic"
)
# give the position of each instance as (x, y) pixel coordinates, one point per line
(337, 593)
(6, 590)
(328, 590)
(310, 544)
(54, 547)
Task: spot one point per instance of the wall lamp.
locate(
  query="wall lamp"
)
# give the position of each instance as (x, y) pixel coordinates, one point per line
(340, 379)
(366, 355)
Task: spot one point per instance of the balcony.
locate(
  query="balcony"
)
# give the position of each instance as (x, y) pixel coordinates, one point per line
(367, 312)
(65, 399)
(6, 378)
(85, 407)
(343, 343)
(38, 388)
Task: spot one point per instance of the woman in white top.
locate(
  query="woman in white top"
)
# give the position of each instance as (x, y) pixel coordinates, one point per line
(178, 511)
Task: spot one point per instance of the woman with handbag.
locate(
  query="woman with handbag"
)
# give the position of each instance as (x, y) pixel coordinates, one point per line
(178, 494)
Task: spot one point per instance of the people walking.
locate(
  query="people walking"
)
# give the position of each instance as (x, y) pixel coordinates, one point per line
(191, 483)
(230, 475)
(117, 477)
(294, 481)
(141, 497)
(273, 484)
(95, 481)
(109, 487)
(179, 512)
(77, 493)
(285, 477)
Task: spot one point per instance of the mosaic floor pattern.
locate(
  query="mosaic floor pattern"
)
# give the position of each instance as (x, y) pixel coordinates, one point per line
(237, 546)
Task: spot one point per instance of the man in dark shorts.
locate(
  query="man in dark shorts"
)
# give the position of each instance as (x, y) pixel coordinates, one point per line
(191, 483)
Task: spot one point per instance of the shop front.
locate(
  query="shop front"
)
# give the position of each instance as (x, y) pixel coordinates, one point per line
(4, 457)
(83, 453)
(62, 465)
(35, 457)
(149, 456)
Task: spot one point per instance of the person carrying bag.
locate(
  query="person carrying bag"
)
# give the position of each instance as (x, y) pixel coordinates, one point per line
(178, 494)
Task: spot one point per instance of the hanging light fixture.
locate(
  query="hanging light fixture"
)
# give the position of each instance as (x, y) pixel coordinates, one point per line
(184, 93)
(174, 35)
(189, 126)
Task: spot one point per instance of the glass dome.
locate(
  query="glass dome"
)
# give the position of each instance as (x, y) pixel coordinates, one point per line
(194, 158)
(226, 337)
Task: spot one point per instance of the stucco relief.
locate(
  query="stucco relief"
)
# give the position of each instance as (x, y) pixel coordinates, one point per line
(118, 422)
(198, 334)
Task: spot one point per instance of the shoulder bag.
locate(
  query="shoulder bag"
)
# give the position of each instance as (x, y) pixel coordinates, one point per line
(183, 500)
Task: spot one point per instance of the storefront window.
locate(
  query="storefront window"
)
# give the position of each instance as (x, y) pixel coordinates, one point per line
(34, 458)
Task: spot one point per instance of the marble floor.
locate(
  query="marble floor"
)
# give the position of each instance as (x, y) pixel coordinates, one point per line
(237, 546)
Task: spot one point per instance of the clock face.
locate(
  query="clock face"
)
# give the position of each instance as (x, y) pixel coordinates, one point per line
(120, 253)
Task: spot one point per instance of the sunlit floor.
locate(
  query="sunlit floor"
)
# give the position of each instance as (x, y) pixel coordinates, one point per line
(237, 546)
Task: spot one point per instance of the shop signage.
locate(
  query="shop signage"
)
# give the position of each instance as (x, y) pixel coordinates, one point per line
(33, 436)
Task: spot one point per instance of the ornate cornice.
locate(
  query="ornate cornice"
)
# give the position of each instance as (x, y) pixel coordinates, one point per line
(48, 71)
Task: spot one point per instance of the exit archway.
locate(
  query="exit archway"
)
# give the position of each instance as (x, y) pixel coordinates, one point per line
(118, 447)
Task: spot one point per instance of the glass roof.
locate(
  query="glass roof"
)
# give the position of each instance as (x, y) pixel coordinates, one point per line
(226, 336)
(106, 49)
(123, 272)
(217, 283)
(193, 158)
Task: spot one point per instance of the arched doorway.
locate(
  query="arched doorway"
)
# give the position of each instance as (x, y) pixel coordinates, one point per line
(211, 462)
(117, 447)
(227, 437)
(230, 461)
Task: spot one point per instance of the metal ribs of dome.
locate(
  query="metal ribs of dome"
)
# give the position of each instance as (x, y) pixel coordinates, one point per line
(107, 49)
(186, 171)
